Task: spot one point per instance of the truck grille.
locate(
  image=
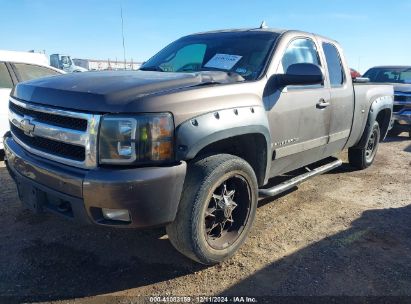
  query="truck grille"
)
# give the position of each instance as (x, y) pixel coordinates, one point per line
(57, 120)
(397, 108)
(402, 97)
(62, 136)
(50, 146)
(401, 100)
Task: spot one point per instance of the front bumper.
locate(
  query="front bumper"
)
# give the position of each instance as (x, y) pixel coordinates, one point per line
(403, 117)
(402, 120)
(150, 194)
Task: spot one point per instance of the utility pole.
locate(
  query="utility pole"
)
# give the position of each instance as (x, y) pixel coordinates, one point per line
(122, 34)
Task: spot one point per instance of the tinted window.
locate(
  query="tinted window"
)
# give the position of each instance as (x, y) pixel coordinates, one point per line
(245, 53)
(29, 72)
(5, 79)
(334, 64)
(188, 58)
(300, 51)
(389, 75)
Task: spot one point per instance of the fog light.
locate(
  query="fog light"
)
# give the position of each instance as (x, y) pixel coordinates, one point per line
(116, 214)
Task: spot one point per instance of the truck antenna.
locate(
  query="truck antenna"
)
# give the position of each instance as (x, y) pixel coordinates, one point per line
(263, 25)
(122, 34)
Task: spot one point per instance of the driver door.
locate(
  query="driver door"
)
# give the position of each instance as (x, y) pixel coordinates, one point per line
(299, 115)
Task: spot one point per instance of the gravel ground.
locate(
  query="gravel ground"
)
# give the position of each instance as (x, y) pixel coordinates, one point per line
(343, 233)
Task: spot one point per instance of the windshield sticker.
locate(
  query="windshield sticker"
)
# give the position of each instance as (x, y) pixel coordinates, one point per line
(223, 61)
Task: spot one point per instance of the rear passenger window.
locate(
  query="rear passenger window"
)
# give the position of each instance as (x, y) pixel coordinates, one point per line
(334, 64)
(29, 71)
(302, 50)
(5, 79)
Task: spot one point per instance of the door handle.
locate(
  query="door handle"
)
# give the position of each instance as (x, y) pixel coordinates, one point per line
(321, 104)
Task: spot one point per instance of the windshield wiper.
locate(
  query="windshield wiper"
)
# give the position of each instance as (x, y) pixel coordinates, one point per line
(230, 74)
(152, 68)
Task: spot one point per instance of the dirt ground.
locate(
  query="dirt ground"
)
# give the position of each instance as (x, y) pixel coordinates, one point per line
(343, 233)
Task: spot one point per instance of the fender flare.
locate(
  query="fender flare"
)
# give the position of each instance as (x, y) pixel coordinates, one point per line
(197, 133)
(379, 104)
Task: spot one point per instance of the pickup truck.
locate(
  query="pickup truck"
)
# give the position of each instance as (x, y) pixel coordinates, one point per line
(191, 141)
(400, 78)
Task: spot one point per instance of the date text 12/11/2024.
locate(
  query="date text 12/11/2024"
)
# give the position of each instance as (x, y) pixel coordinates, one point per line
(201, 299)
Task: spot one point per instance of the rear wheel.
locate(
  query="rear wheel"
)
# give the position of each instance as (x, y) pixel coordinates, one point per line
(363, 157)
(216, 210)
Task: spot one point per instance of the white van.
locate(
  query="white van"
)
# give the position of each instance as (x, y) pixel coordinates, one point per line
(16, 67)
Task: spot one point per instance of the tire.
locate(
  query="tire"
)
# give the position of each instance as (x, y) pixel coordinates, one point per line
(206, 203)
(363, 157)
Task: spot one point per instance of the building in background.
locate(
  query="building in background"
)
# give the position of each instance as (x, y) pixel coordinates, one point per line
(99, 65)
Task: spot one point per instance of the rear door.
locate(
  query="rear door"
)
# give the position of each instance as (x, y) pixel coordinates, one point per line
(299, 125)
(6, 84)
(342, 98)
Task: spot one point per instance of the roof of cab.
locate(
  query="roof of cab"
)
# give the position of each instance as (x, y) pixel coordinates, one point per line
(392, 67)
(277, 31)
(272, 30)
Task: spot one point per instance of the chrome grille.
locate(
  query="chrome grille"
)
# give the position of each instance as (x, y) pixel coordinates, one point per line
(62, 136)
(398, 108)
(401, 101)
(56, 120)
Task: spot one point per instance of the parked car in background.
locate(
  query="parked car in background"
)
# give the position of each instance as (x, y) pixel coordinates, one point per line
(16, 67)
(354, 74)
(400, 77)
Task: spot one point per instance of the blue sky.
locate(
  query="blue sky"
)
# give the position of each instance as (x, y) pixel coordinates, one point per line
(371, 32)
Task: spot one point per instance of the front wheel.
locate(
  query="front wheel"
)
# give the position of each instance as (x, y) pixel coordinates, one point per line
(216, 210)
(363, 157)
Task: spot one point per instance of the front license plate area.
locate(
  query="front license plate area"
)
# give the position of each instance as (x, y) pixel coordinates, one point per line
(31, 197)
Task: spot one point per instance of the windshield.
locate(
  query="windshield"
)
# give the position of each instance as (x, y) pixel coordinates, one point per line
(244, 53)
(66, 60)
(389, 75)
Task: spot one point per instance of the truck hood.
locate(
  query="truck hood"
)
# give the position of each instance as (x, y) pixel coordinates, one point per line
(111, 91)
(404, 88)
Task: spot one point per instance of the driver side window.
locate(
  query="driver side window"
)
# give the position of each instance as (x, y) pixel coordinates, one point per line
(301, 50)
(188, 58)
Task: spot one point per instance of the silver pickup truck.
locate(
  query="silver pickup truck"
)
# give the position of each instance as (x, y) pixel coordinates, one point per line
(191, 141)
(400, 78)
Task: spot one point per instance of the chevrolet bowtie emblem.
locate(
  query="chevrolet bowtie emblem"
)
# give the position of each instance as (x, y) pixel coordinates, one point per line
(27, 127)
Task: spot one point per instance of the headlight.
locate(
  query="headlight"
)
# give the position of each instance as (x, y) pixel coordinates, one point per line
(138, 139)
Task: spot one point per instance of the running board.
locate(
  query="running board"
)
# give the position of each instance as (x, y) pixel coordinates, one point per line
(287, 185)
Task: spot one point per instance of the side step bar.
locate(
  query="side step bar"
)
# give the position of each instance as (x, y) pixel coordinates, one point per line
(287, 185)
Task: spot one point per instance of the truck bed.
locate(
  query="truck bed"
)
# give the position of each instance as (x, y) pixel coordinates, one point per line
(365, 94)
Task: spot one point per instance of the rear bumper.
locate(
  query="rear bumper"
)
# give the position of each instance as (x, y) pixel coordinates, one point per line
(151, 194)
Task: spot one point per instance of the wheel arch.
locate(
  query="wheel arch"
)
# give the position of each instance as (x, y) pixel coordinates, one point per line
(380, 111)
(384, 120)
(242, 132)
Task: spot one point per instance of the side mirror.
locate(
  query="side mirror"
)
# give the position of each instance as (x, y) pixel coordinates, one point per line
(301, 74)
